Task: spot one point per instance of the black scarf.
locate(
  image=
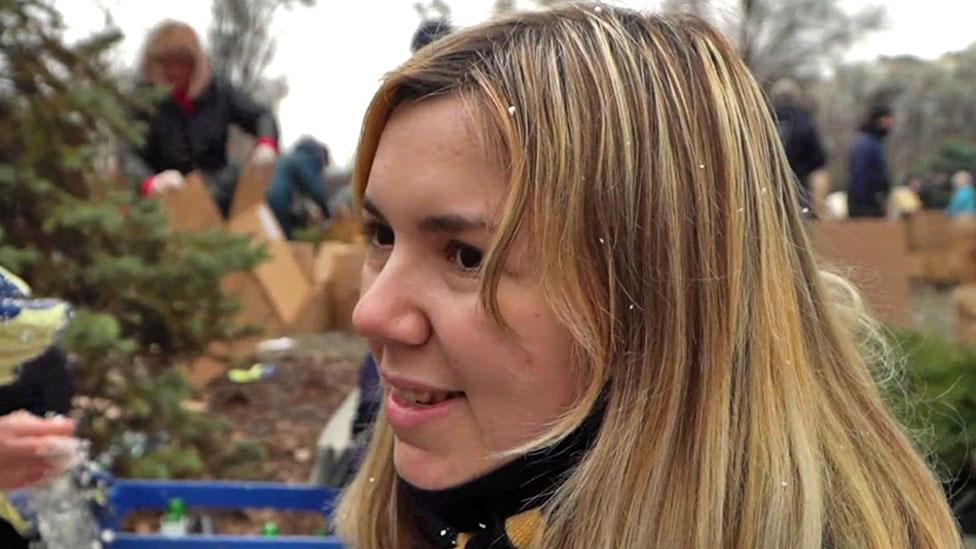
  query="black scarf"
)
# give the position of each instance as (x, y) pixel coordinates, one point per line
(480, 508)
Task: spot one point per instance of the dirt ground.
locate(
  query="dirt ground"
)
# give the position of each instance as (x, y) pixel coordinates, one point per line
(285, 413)
(288, 411)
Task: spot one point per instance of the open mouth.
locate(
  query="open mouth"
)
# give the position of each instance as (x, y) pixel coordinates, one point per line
(417, 399)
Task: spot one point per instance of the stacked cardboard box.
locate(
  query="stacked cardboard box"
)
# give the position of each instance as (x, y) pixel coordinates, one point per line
(928, 234)
(251, 188)
(191, 208)
(338, 267)
(275, 293)
(873, 255)
(298, 290)
(316, 314)
(961, 256)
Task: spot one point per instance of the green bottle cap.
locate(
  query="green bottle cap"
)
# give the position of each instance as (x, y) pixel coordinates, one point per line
(270, 530)
(176, 509)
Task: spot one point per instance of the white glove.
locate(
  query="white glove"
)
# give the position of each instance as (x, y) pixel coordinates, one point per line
(264, 155)
(166, 180)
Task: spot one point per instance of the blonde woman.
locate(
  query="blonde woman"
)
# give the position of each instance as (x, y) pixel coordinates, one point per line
(595, 312)
(189, 128)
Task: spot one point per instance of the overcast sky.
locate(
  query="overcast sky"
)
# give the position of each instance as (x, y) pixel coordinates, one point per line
(334, 54)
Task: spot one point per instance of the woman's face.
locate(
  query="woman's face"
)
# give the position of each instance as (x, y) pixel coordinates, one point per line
(177, 71)
(458, 389)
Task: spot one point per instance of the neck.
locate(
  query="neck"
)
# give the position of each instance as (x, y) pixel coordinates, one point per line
(527, 482)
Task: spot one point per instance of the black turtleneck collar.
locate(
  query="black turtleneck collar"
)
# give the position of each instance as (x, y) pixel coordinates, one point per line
(482, 505)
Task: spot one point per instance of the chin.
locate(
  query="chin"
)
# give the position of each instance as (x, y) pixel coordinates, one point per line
(429, 470)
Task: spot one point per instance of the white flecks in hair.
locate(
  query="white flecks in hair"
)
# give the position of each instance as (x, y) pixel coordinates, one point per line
(630, 307)
(444, 532)
(701, 166)
(741, 210)
(598, 9)
(805, 210)
(602, 241)
(511, 110)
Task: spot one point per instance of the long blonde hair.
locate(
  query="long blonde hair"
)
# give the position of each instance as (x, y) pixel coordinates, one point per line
(646, 169)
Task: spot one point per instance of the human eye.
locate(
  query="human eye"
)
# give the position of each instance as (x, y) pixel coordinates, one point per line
(378, 234)
(465, 257)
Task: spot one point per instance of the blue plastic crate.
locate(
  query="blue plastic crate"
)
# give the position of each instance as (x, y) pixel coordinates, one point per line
(125, 496)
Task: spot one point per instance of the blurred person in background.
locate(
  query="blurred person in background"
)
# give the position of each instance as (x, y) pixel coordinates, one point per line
(870, 181)
(189, 128)
(963, 201)
(300, 170)
(435, 22)
(801, 140)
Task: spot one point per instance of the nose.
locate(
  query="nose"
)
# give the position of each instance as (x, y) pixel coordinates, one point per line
(389, 308)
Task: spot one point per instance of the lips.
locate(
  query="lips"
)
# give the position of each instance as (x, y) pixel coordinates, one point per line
(411, 405)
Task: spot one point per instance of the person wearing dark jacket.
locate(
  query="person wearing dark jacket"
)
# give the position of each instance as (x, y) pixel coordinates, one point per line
(34, 382)
(189, 128)
(300, 169)
(869, 178)
(801, 140)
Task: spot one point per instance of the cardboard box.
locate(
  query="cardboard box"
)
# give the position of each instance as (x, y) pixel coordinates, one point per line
(190, 208)
(339, 266)
(251, 188)
(916, 265)
(258, 221)
(939, 269)
(966, 333)
(962, 251)
(304, 253)
(873, 254)
(964, 302)
(257, 305)
(279, 284)
(927, 230)
(316, 314)
(282, 280)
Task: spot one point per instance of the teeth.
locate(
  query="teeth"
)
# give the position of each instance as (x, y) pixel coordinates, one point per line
(424, 399)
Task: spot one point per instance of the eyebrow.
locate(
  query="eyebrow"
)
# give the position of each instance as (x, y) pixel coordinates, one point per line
(443, 223)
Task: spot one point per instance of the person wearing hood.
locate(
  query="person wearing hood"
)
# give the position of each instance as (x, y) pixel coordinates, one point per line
(869, 178)
(302, 170)
(189, 128)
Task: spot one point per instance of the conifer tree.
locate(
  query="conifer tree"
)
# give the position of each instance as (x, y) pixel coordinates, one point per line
(146, 298)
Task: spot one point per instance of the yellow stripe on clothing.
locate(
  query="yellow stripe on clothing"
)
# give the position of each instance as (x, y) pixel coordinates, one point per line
(10, 514)
(523, 527)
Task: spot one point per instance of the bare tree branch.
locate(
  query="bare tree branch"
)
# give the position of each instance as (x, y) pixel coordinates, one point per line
(241, 47)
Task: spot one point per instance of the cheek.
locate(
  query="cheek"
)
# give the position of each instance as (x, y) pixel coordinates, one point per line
(516, 385)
